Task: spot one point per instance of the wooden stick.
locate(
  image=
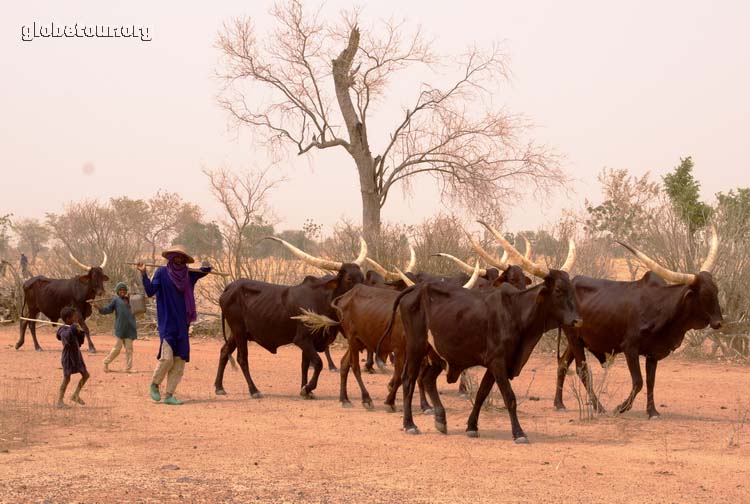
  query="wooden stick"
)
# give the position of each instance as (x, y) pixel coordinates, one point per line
(44, 321)
(197, 270)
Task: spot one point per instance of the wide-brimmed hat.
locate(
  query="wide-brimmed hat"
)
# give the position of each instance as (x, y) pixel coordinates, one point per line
(178, 249)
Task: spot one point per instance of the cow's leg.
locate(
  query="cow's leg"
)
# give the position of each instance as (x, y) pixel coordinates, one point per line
(226, 350)
(430, 383)
(427, 409)
(242, 360)
(650, 380)
(354, 349)
(395, 383)
(509, 398)
(463, 389)
(412, 366)
(635, 374)
(562, 369)
(331, 365)
(22, 333)
(370, 362)
(485, 387)
(32, 328)
(309, 354)
(344, 374)
(584, 373)
(86, 330)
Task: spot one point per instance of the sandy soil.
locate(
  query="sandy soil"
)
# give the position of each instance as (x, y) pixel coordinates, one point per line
(122, 447)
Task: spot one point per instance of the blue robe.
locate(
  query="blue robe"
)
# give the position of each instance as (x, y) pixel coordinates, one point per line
(171, 313)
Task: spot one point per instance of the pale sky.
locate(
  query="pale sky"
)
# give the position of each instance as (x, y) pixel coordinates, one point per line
(631, 85)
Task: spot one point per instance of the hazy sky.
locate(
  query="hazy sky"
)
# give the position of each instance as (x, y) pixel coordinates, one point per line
(630, 85)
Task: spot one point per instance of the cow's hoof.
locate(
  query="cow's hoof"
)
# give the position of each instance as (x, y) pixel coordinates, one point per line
(521, 440)
(346, 404)
(463, 395)
(367, 405)
(428, 411)
(412, 430)
(654, 417)
(92, 350)
(390, 408)
(305, 394)
(256, 395)
(221, 391)
(39, 349)
(333, 370)
(441, 427)
(560, 407)
(472, 433)
(369, 370)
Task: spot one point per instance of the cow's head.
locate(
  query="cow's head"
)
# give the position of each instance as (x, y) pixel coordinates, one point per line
(94, 278)
(348, 276)
(513, 275)
(701, 298)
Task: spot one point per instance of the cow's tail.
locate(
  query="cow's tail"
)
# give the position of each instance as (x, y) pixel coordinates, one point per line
(224, 334)
(389, 328)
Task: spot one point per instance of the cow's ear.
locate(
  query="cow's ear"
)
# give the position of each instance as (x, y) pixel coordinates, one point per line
(106, 278)
(527, 280)
(496, 282)
(689, 294)
(331, 284)
(84, 279)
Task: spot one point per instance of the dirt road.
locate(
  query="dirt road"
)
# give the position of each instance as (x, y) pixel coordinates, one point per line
(122, 447)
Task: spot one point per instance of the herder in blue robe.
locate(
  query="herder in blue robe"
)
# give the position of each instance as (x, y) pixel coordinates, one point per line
(173, 286)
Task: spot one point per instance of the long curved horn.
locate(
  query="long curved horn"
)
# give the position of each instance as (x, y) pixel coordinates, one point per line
(527, 252)
(571, 259)
(666, 274)
(465, 267)
(360, 260)
(535, 269)
(304, 256)
(501, 264)
(403, 277)
(474, 276)
(79, 263)
(713, 252)
(383, 272)
(412, 260)
(104, 261)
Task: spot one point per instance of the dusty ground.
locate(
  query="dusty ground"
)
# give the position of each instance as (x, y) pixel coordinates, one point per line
(122, 447)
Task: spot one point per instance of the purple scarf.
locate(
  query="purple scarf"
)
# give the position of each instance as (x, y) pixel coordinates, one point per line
(178, 273)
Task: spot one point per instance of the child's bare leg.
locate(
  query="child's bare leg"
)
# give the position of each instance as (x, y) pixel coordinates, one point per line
(61, 392)
(76, 395)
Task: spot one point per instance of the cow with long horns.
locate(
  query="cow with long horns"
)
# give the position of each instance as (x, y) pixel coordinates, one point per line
(265, 313)
(457, 328)
(51, 295)
(647, 317)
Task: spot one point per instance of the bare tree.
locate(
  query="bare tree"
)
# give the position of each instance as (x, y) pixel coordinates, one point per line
(297, 91)
(165, 211)
(32, 236)
(244, 201)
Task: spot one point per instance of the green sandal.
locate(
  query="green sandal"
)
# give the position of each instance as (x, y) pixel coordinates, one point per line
(155, 395)
(172, 401)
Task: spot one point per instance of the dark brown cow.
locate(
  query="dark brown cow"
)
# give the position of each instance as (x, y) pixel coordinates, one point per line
(51, 295)
(495, 328)
(646, 317)
(262, 312)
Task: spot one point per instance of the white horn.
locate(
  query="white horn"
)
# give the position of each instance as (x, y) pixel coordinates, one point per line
(571, 259)
(666, 274)
(465, 267)
(412, 260)
(474, 276)
(104, 261)
(536, 269)
(304, 256)
(501, 264)
(403, 277)
(383, 272)
(79, 263)
(713, 252)
(360, 260)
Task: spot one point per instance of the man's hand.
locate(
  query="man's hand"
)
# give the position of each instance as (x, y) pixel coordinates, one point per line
(141, 267)
(205, 264)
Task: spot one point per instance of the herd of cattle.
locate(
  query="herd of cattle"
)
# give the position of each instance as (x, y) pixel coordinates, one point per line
(490, 317)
